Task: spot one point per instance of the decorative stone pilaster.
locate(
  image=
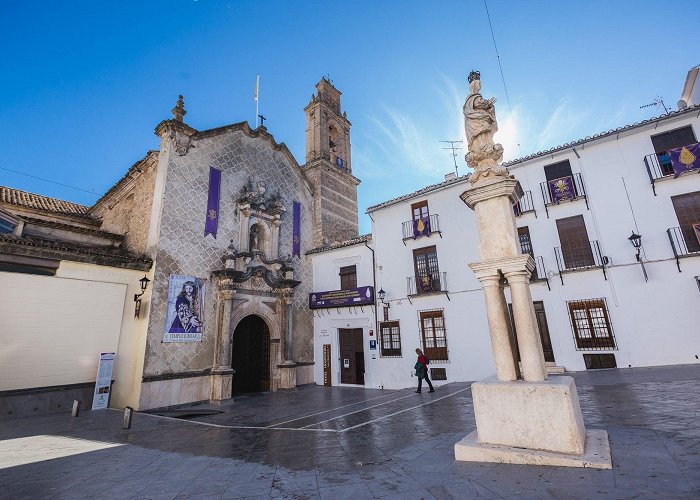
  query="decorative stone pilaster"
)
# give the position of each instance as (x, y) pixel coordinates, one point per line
(222, 373)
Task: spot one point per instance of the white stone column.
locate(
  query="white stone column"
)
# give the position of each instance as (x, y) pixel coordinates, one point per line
(499, 327)
(529, 342)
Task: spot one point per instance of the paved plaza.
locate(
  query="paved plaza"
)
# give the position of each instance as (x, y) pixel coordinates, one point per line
(343, 442)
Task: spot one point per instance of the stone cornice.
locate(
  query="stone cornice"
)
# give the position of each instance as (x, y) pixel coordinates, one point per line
(492, 188)
(329, 167)
(75, 229)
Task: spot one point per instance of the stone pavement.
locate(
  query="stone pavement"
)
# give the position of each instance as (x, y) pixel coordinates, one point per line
(319, 442)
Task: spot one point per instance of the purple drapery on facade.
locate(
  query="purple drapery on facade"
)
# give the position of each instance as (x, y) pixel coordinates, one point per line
(296, 230)
(212, 219)
(421, 227)
(684, 159)
(562, 189)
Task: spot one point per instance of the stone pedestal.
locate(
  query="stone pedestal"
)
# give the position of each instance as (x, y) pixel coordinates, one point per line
(221, 384)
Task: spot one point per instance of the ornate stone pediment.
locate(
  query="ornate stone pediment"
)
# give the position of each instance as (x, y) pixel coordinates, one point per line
(256, 197)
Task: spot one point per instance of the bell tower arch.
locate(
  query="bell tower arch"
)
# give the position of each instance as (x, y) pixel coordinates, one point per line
(329, 166)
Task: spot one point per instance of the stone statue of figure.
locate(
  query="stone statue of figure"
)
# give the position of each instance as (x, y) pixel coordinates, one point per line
(480, 125)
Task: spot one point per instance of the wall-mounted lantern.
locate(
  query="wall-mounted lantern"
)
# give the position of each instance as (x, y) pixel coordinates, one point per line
(137, 297)
(636, 241)
(381, 294)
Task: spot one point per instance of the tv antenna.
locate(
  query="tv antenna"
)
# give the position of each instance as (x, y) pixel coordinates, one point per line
(658, 101)
(454, 152)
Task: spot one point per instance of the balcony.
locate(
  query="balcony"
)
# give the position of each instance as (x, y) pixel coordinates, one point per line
(540, 272)
(427, 285)
(568, 188)
(683, 242)
(580, 259)
(411, 229)
(525, 205)
(659, 167)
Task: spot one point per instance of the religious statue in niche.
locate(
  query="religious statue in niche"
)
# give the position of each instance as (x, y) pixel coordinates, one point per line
(255, 242)
(480, 124)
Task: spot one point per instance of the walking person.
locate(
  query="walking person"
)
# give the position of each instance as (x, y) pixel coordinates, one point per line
(422, 370)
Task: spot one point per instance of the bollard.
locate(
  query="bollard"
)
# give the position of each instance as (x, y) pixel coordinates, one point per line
(128, 411)
(76, 408)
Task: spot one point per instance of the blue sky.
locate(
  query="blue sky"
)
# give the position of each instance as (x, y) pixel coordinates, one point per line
(85, 83)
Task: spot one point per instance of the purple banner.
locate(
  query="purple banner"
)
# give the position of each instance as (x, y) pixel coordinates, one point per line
(696, 228)
(685, 158)
(360, 296)
(425, 284)
(562, 189)
(296, 230)
(421, 227)
(212, 219)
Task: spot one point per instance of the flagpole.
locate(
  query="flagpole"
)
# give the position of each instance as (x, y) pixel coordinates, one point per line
(257, 88)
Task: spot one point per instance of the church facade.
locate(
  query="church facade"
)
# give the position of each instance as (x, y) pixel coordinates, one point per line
(220, 220)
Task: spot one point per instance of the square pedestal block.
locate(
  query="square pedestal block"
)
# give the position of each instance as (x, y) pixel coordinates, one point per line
(535, 415)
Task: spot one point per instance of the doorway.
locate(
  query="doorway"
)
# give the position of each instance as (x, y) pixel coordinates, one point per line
(251, 356)
(541, 326)
(352, 356)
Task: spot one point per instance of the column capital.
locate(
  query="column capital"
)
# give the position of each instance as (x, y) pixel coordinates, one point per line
(226, 294)
(518, 276)
(501, 186)
(495, 267)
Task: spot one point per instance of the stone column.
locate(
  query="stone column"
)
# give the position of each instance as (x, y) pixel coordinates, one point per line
(529, 341)
(222, 374)
(499, 327)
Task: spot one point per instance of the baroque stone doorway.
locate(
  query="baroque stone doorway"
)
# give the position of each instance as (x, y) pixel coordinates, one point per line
(251, 356)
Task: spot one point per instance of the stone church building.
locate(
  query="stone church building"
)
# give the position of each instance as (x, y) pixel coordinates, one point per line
(219, 221)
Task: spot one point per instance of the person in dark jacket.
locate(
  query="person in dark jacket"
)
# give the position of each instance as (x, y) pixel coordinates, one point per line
(422, 370)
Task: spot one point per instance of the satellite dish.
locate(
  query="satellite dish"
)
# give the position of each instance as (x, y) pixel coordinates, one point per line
(682, 104)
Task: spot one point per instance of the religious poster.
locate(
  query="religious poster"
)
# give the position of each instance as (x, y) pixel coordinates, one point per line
(100, 398)
(184, 320)
(421, 227)
(684, 159)
(562, 189)
(696, 229)
(425, 284)
(211, 224)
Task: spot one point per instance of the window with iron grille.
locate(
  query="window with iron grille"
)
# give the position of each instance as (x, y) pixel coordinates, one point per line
(348, 277)
(557, 170)
(438, 373)
(575, 246)
(687, 207)
(591, 324)
(525, 242)
(425, 263)
(390, 341)
(420, 210)
(432, 326)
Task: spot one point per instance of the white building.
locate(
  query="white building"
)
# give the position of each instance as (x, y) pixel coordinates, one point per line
(597, 305)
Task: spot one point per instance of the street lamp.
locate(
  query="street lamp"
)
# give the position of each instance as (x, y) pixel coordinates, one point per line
(137, 296)
(636, 241)
(381, 294)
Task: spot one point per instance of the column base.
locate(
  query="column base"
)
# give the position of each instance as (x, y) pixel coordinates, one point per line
(595, 456)
(221, 384)
(534, 415)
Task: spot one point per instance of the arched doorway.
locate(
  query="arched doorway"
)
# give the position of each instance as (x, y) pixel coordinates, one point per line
(251, 355)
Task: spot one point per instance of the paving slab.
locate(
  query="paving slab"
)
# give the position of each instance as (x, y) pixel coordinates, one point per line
(342, 442)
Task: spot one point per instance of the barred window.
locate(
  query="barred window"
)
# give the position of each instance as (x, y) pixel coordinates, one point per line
(390, 341)
(591, 324)
(432, 325)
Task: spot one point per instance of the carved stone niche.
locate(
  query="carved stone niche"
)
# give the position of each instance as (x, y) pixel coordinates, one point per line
(260, 220)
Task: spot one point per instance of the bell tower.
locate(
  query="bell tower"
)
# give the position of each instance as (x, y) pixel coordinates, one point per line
(329, 167)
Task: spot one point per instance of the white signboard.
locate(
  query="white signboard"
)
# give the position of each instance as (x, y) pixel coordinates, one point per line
(184, 320)
(100, 399)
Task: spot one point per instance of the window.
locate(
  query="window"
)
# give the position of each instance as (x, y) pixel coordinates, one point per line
(599, 361)
(671, 140)
(419, 210)
(575, 247)
(557, 170)
(438, 373)
(687, 207)
(425, 264)
(525, 242)
(390, 341)
(591, 324)
(6, 226)
(348, 277)
(432, 325)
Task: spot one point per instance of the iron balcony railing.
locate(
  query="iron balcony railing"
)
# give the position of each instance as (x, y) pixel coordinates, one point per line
(683, 242)
(658, 167)
(579, 192)
(580, 260)
(430, 283)
(540, 272)
(524, 205)
(407, 228)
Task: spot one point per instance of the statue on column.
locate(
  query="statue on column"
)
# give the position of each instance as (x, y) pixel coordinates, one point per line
(480, 125)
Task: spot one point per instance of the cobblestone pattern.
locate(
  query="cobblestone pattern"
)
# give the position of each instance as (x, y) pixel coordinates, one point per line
(183, 249)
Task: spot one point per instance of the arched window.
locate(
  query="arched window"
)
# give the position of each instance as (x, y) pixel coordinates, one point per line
(332, 137)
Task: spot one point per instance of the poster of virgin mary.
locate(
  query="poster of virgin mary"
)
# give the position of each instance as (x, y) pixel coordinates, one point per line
(184, 320)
